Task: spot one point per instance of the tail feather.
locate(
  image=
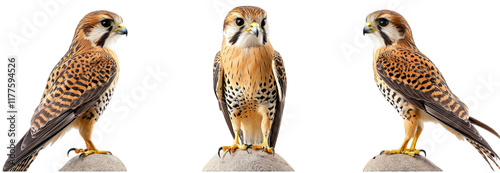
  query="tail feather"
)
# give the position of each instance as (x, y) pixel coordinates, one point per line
(30, 144)
(485, 152)
(24, 164)
(24, 154)
(484, 126)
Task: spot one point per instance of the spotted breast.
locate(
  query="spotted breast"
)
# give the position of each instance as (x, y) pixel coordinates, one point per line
(249, 88)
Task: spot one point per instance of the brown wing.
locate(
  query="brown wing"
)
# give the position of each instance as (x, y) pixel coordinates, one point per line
(219, 93)
(80, 82)
(280, 76)
(415, 77)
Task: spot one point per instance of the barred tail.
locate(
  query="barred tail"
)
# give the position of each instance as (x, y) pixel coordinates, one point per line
(23, 155)
(22, 165)
(485, 152)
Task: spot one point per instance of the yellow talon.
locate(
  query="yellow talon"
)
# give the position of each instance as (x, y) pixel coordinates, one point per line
(87, 152)
(234, 147)
(95, 151)
(264, 147)
(412, 151)
(399, 151)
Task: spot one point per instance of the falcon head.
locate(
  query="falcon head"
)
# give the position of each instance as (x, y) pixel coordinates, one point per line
(246, 26)
(100, 29)
(388, 28)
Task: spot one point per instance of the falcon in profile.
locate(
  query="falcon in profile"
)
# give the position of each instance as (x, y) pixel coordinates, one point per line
(78, 90)
(249, 81)
(414, 86)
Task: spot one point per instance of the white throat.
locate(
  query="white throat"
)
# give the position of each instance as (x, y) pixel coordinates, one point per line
(111, 40)
(377, 40)
(97, 33)
(246, 39)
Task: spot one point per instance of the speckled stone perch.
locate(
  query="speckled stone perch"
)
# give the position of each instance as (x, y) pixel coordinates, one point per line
(251, 161)
(400, 162)
(94, 162)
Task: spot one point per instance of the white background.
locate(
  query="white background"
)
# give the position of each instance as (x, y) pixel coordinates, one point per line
(335, 119)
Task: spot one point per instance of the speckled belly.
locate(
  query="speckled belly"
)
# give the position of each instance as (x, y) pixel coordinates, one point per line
(394, 98)
(245, 99)
(100, 105)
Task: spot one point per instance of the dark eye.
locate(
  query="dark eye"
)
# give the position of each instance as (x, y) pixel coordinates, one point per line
(106, 23)
(263, 22)
(383, 22)
(240, 22)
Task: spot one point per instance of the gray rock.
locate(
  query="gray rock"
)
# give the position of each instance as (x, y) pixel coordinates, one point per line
(254, 160)
(400, 162)
(94, 162)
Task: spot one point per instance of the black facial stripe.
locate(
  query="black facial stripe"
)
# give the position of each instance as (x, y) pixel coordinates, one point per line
(235, 36)
(386, 38)
(264, 35)
(102, 40)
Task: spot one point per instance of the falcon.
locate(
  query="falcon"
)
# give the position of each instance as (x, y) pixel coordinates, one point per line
(78, 90)
(414, 86)
(249, 81)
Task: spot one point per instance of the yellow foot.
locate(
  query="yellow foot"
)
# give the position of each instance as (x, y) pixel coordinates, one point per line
(407, 152)
(87, 152)
(264, 147)
(232, 148)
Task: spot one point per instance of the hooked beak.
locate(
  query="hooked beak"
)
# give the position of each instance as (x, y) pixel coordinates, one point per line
(121, 30)
(254, 29)
(368, 28)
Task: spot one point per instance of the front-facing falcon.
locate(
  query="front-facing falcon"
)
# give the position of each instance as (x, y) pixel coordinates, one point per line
(78, 90)
(249, 80)
(415, 88)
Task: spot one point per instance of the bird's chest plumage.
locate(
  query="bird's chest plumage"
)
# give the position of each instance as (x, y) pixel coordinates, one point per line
(97, 109)
(249, 83)
(397, 100)
(392, 96)
(103, 101)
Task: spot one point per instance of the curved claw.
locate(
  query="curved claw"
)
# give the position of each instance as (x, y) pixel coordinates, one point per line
(81, 155)
(383, 151)
(71, 149)
(109, 152)
(248, 146)
(218, 152)
(424, 152)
